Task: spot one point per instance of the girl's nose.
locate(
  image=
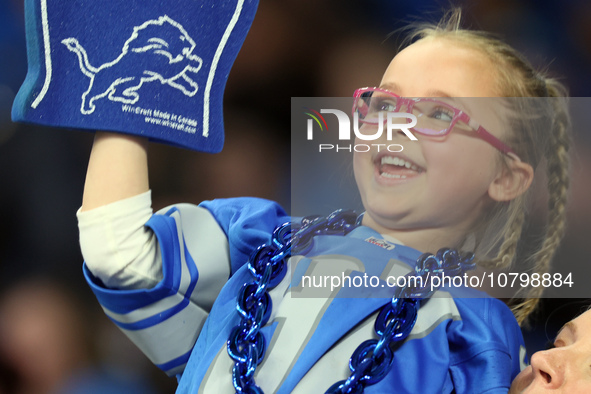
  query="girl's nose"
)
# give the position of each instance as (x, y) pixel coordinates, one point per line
(548, 368)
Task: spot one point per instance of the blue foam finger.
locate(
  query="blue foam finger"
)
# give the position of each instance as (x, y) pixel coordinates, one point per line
(156, 69)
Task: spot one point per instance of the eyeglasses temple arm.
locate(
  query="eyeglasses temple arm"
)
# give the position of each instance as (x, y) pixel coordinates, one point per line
(494, 141)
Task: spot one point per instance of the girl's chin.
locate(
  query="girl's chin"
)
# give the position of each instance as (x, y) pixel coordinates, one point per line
(382, 218)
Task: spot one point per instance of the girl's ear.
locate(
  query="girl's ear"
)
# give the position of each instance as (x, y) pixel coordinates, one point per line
(513, 180)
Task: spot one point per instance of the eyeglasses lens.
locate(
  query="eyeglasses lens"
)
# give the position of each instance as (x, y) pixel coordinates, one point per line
(433, 117)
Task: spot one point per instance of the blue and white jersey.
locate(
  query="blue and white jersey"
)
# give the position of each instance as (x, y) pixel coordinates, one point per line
(460, 343)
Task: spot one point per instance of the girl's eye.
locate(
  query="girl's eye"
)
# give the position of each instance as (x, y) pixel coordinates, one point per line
(441, 113)
(387, 107)
(383, 105)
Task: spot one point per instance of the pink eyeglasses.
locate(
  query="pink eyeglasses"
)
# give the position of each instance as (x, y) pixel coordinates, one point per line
(434, 117)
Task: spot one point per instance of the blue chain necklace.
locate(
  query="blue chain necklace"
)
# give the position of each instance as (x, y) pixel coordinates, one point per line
(372, 359)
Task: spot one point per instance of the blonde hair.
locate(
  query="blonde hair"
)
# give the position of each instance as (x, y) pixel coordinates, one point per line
(539, 133)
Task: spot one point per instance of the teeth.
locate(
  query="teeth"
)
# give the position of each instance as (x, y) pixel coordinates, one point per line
(397, 161)
(385, 174)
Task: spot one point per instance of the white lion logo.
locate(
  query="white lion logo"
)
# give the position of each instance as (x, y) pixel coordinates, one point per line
(164, 49)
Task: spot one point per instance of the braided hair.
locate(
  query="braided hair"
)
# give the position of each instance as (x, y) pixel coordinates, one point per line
(539, 133)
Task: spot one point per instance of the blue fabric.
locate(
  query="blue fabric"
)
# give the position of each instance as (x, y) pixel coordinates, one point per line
(151, 68)
(247, 222)
(175, 362)
(477, 349)
(479, 353)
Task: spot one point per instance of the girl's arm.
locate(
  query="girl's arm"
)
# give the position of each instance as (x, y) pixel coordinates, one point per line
(116, 246)
(117, 169)
(157, 275)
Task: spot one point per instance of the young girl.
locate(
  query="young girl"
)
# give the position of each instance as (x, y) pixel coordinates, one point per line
(163, 278)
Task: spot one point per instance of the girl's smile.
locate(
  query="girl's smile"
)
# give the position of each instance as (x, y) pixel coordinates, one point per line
(433, 192)
(393, 168)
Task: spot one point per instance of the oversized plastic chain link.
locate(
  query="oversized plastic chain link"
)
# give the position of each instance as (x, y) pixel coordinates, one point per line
(268, 265)
(372, 360)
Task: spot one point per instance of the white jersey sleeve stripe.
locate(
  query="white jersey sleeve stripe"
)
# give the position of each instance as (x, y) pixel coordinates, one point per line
(189, 274)
(175, 366)
(174, 308)
(156, 308)
(163, 309)
(152, 320)
(207, 244)
(183, 327)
